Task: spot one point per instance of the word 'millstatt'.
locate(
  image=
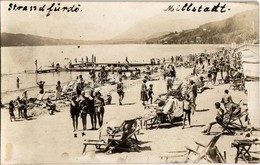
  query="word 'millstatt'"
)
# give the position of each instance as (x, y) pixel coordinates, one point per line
(190, 7)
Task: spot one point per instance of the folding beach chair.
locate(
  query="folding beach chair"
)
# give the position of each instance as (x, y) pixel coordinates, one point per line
(122, 137)
(169, 111)
(39, 99)
(209, 152)
(68, 90)
(233, 120)
(238, 84)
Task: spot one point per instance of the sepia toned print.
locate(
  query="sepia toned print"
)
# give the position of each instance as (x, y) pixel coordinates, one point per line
(129, 82)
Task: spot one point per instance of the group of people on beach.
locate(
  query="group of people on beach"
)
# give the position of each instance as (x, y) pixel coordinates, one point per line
(21, 104)
(88, 102)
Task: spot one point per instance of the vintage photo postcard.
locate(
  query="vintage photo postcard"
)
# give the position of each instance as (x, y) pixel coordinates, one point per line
(129, 82)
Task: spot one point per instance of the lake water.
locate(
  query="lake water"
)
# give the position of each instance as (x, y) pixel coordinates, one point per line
(15, 60)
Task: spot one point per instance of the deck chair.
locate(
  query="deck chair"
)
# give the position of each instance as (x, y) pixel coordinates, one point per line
(127, 140)
(170, 111)
(238, 84)
(209, 152)
(233, 121)
(39, 99)
(67, 90)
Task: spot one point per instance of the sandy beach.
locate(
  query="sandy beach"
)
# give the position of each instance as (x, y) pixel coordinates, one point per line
(50, 139)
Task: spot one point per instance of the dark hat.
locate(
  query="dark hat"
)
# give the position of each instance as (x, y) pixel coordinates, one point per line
(98, 93)
(217, 104)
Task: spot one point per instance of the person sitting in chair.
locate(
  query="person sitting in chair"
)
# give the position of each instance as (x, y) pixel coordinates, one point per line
(219, 118)
(226, 99)
(52, 106)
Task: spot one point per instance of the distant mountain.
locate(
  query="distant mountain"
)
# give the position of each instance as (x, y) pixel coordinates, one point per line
(158, 24)
(9, 39)
(239, 28)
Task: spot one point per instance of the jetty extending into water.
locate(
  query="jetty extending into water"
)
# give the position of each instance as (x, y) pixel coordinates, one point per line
(88, 66)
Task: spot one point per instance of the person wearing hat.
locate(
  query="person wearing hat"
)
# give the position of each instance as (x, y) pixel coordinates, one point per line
(219, 118)
(144, 92)
(99, 108)
(74, 112)
(120, 91)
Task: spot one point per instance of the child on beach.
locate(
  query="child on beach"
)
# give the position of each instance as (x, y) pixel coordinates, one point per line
(11, 110)
(187, 109)
(150, 93)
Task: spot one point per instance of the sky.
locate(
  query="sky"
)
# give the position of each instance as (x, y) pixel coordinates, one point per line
(100, 20)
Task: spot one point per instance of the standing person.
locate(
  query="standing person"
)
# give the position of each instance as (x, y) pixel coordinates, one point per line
(80, 85)
(25, 101)
(41, 86)
(209, 76)
(169, 83)
(20, 107)
(17, 82)
(11, 110)
(187, 109)
(221, 68)
(214, 73)
(150, 93)
(120, 91)
(194, 71)
(84, 110)
(58, 90)
(192, 92)
(99, 107)
(143, 92)
(74, 112)
(91, 110)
